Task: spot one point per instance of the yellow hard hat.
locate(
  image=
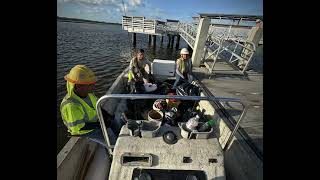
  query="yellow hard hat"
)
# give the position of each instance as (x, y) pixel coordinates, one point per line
(81, 74)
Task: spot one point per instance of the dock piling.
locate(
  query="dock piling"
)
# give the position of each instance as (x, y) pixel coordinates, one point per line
(172, 41)
(178, 42)
(134, 42)
(149, 39)
(154, 41)
(169, 39)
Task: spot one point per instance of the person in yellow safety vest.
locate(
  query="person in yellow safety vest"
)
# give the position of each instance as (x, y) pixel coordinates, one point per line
(78, 107)
(183, 68)
(137, 67)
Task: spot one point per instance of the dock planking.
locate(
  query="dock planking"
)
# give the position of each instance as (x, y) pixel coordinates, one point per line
(249, 90)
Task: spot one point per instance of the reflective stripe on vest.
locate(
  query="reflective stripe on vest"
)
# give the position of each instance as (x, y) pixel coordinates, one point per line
(75, 123)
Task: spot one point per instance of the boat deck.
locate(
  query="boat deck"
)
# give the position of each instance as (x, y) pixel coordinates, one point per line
(249, 89)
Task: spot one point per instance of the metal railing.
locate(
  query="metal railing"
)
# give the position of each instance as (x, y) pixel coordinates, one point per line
(138, 24)
(100, 102)
(149, 26)
(188, 32)
(229, 32)
(230, 50)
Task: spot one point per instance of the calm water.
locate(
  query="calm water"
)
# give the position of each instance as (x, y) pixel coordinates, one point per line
(106, 49)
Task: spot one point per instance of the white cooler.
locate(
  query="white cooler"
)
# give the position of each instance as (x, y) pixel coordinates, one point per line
(163, 67)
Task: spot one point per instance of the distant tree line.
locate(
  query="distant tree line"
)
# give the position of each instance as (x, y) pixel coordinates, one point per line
(66, 19)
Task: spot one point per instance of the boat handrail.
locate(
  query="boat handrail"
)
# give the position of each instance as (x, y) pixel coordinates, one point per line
(154, 96)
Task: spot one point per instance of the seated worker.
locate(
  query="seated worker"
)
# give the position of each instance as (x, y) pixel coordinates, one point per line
(183, 68)
(137, 72)
(78, 107)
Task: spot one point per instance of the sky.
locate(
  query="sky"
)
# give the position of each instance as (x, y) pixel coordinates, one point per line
(183, 10)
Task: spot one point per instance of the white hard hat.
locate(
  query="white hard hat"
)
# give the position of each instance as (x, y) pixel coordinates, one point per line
(184, 51)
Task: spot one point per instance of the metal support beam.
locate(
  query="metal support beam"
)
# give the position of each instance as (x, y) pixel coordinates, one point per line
(200, 41)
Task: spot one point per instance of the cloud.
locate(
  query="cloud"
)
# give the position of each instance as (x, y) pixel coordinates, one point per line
(91, 1)
(156, 13)
(128, 6)
(130, 3)
(136, 3)
(103, 9)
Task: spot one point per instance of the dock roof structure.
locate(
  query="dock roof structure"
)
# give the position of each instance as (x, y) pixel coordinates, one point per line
(231, 16)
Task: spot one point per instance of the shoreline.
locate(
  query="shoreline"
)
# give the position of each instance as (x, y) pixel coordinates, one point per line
(74, 20)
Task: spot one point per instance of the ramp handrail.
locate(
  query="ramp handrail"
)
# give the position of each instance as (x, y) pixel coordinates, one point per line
(239, 52)
(152, 96)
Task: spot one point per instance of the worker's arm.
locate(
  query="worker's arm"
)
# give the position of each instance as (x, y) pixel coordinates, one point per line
(73, 116)
(190, 62)
(149, 64)
(190, 74)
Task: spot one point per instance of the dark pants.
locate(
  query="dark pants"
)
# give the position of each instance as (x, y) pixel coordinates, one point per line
(142, 75)
(179, 80)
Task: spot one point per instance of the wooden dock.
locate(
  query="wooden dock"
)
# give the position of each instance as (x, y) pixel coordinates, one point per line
(249, 89)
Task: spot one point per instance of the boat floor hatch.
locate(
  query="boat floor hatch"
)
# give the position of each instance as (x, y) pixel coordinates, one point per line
(164, 174)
